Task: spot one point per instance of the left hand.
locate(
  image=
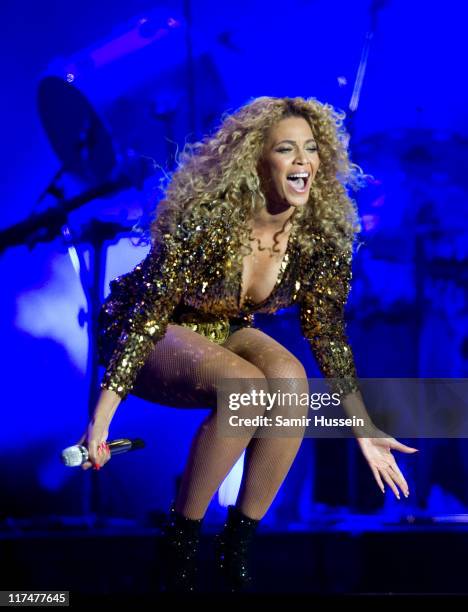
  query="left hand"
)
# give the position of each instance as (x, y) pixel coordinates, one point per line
(378, 454)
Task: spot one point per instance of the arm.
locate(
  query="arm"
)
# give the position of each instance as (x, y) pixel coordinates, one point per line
(97, 430)
(323, 324)
(322, 318)
(158, 287)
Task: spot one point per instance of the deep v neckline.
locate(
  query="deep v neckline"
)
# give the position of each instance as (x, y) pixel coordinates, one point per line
(248, 304)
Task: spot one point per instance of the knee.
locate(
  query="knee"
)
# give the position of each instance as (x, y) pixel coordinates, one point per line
(243, 394)
(287, 368)
(292, 390)
(248, 397)
(287, 373)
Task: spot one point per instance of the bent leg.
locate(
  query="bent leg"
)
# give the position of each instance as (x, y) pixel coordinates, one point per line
(268, 460)
(184, 370)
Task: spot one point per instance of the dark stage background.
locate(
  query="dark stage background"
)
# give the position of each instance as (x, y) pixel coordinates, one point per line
(98, 98)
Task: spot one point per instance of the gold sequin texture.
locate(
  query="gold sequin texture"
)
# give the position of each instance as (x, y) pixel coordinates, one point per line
(194, 277)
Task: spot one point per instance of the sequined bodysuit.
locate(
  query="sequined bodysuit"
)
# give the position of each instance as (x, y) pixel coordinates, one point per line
(195, 278)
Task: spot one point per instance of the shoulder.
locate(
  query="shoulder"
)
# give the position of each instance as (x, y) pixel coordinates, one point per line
(328, 262)
(329, 251)
(175, 227)
(198, 238)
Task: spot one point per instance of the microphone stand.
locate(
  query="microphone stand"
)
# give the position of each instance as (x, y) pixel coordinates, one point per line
(44, 227)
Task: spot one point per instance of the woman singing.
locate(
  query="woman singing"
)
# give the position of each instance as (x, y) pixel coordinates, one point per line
(255, 218)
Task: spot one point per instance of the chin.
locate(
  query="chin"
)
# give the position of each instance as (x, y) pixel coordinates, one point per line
(298, 202)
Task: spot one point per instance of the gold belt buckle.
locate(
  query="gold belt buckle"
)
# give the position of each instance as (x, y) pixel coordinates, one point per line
(217, 330)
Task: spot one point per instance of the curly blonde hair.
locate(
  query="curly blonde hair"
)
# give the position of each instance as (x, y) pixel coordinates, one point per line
(218, 176)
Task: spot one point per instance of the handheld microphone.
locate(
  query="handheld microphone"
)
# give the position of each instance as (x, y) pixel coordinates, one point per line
(76, 455)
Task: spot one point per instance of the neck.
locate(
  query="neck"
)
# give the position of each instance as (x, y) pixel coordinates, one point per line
(264, 220)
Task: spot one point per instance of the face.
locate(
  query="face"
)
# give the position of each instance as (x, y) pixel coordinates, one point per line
(289, 164)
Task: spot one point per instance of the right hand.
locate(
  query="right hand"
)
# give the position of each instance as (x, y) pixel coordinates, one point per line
(94, 439)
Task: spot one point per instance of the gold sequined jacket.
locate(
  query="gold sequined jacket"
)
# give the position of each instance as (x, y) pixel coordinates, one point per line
(194, 279)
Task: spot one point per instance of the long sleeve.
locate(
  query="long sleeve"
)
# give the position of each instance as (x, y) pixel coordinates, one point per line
(322, 318)
(156, 287)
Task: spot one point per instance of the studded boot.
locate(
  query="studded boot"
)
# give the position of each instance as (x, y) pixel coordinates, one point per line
(232, 550)
(180, 546)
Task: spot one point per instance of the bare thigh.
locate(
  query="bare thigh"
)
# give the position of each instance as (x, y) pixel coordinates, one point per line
(184, 369)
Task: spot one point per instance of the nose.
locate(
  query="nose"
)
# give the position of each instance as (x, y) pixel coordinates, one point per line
(301, 158)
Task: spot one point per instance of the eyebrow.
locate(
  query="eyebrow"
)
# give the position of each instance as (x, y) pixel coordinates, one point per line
(293, 142)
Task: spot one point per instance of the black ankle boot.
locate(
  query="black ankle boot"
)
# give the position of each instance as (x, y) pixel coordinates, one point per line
(180, 544)
(232, 548)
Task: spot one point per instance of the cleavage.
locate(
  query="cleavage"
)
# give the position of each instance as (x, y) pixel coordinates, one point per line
(261, 273)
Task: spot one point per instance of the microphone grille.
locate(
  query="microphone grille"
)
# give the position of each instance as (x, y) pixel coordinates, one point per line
(72, 456)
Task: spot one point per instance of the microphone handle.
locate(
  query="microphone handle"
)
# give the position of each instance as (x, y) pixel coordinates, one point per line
(119, 446)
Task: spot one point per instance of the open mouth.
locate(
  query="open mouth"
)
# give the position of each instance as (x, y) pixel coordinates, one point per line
(299, 181)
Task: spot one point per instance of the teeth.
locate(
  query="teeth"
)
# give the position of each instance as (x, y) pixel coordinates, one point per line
(299, 175)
